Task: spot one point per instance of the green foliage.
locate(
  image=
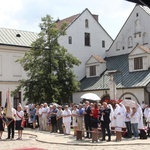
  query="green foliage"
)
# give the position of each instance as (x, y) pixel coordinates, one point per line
(49, 67)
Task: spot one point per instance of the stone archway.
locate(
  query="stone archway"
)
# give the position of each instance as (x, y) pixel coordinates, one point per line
(129, 94)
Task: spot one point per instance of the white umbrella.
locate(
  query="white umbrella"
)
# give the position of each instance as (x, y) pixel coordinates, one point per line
(129, 103)
(91, 96)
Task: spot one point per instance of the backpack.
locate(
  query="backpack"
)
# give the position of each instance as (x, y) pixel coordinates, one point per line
(143, 134)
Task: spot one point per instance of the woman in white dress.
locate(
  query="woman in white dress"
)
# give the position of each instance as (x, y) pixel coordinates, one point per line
(140, 123)
(74, 119)
(119, 116)
(19, 121)
(66, 119)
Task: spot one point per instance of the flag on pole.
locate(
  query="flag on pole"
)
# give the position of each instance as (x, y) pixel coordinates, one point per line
(8, 117)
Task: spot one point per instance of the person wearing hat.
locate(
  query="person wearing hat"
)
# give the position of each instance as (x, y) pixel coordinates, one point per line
(66, 119)
(80, 117)
(59, 119)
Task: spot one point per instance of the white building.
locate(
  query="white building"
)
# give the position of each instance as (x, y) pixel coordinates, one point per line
(13, 45)
(127, 60)
(84, 37)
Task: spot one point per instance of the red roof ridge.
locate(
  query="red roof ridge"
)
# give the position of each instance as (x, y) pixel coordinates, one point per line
(67, 20)
(146, 49)
(97, 57)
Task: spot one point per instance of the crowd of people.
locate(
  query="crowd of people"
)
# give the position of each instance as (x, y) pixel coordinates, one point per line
(117, 119)
(12, 123)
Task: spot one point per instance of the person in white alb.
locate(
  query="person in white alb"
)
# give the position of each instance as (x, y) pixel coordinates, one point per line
(119, 116)
(66, 119)
(19, 121)
(45, 111)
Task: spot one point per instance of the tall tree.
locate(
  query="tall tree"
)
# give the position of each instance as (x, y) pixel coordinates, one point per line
(49, 67)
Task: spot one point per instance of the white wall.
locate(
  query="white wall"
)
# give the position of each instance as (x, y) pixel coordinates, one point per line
(138, 92)
(10, 71)
(129, 30)
(77, 48)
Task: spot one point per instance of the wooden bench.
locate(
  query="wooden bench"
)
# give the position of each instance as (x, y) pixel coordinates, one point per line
(95, 135)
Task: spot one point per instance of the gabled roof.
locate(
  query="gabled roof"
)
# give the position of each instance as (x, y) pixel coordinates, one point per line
(72, 19)
(145, 8)
(141, 2)
(145, 49)
(142, 47)
(68, 20)
(15, 37)
(96, 57)
(124, 78)
(101, 60)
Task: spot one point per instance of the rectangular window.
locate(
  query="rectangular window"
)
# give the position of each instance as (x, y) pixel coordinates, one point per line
(17, 68)
(138, 63)
(103, 44)
(70, 40)
(92, 70)
(17, 99)
(87, 39)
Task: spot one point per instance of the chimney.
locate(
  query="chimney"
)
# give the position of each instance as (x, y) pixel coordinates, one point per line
(96, 17)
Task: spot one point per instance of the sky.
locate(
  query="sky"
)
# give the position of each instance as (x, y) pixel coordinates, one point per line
(26, 14)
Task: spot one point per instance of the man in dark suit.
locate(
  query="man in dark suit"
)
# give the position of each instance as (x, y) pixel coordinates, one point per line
(105, 121)
(87, 119)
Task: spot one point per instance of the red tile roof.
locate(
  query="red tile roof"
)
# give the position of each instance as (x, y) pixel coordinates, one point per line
(68, 20)
(144, 48)
(99, 58)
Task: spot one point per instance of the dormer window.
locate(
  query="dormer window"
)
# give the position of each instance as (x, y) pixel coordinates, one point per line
(93, 70)
(138, 63)
(18, 35)
(86, 23)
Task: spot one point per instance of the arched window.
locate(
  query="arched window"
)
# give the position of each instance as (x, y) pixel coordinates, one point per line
(137, 26)
(130, 42)
(118, 46)
(86, 23)
(145, 38)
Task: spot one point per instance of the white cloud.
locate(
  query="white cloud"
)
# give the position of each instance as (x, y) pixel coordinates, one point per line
(26, 14)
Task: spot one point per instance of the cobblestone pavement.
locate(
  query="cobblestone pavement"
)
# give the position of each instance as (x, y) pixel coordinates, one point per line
(29, 141)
